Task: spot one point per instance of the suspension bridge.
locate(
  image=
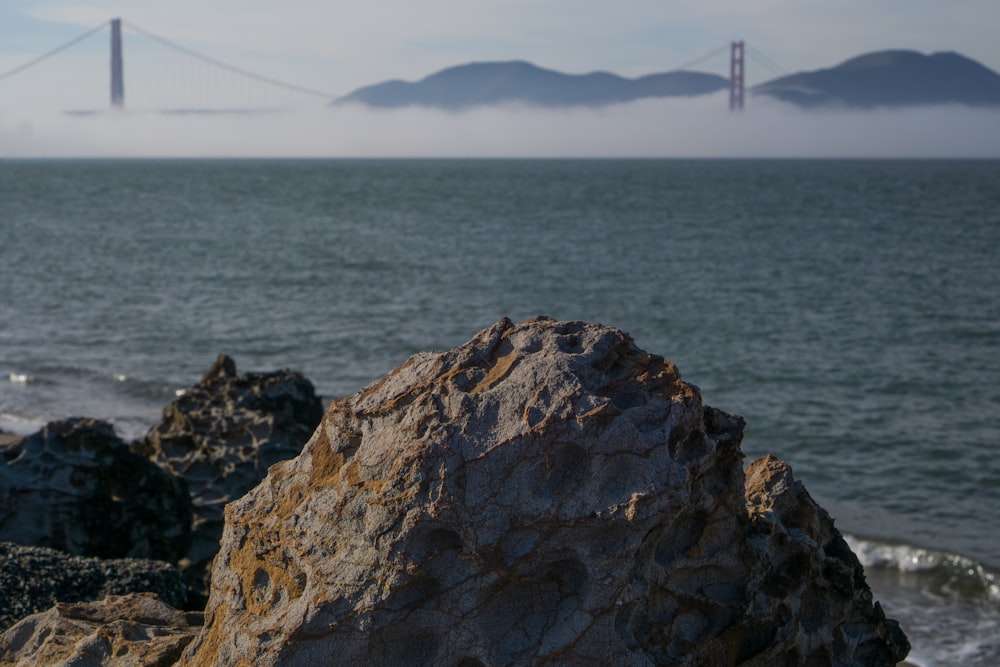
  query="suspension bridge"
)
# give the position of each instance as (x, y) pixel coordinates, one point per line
(164, 76)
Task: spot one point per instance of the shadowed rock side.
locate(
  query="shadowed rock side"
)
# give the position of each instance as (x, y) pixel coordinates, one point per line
(547, 492)
(811, 604)
(220, 437)
(75, 486)
(118, 631)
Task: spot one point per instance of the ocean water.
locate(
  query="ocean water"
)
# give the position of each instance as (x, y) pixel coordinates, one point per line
(849, 310)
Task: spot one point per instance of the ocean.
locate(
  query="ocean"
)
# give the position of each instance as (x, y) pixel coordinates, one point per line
(848, 310)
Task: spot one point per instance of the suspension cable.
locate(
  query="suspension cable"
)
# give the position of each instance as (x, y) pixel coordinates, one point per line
(768, 64)
(227, 66)
(54, 51)
(700, 59)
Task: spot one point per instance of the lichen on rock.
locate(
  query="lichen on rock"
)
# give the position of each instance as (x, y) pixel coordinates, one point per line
(547, 492)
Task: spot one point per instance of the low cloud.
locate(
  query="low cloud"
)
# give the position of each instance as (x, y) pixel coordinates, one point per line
(699, 127)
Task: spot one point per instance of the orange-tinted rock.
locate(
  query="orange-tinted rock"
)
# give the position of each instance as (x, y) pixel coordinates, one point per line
(547, 492)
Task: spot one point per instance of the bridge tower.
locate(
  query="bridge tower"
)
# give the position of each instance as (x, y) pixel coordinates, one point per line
(117, 77)
(736, 80)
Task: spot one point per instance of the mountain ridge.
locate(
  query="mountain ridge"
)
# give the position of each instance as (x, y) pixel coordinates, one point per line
(487, 83)
(887, 78)
(890, 78)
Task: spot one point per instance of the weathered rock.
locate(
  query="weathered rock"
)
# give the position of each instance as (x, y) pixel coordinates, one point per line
(811, 604)
(75, 486)
(547, 493)
(119, 631)
(220, 436)
(32, 579)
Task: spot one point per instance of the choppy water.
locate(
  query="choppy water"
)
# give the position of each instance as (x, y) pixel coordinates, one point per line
(850, 311)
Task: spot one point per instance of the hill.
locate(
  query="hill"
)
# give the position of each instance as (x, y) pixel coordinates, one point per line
(520, 82)
(895, 78)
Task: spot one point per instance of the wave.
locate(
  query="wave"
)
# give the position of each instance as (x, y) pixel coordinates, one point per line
(941, 572)
(36, 395)
(24, 379)
(947, 604)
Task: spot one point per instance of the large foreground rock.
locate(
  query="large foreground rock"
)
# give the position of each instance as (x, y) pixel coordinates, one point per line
(118, 631)
(76, 486)
(220, 436)
(546, 493)
(33, 579)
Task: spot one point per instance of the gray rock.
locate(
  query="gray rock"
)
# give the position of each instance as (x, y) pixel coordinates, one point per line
(33, 579)
(546, 493)
(811, 603)
(220, 436)
(118, 631)
(75, 486)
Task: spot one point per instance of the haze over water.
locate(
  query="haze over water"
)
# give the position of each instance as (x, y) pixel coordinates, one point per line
(847, 309)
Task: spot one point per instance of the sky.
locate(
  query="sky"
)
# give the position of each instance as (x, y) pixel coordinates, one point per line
(335, 46)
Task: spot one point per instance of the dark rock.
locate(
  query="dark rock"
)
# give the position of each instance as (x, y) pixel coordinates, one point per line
(810, 593)
(75, 486)
(32, 579)
(220, 436)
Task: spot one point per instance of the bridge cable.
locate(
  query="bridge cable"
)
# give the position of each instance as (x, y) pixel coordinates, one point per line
(53, 52)
(768, 64)
(226, 66)
(692, 63)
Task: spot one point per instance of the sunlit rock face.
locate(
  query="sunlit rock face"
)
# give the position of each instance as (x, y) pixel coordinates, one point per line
(545, 493)
(118, 631)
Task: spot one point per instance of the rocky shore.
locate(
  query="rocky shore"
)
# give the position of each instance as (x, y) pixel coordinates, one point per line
(547, 492)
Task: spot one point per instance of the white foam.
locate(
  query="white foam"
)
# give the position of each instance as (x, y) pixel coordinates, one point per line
(19, 378)
(18, 424)
(955, 574)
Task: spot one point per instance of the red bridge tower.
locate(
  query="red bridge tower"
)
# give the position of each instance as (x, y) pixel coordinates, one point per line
(736, 81)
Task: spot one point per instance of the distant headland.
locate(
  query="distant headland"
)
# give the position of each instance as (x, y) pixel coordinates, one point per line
(892, 78)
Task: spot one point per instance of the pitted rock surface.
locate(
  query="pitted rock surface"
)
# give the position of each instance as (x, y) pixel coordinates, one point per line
(118, 631)
(220, 436)
(75, 486)
(811, 604)
(546, 493)
(32, 579)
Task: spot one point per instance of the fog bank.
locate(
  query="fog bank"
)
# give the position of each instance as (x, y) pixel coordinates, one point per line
(699, 127)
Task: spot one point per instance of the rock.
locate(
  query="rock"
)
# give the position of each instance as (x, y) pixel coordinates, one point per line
(545, 493)
(75, 486)
(220, 436)
(811, 603)
(32, 579)
(119, 631)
